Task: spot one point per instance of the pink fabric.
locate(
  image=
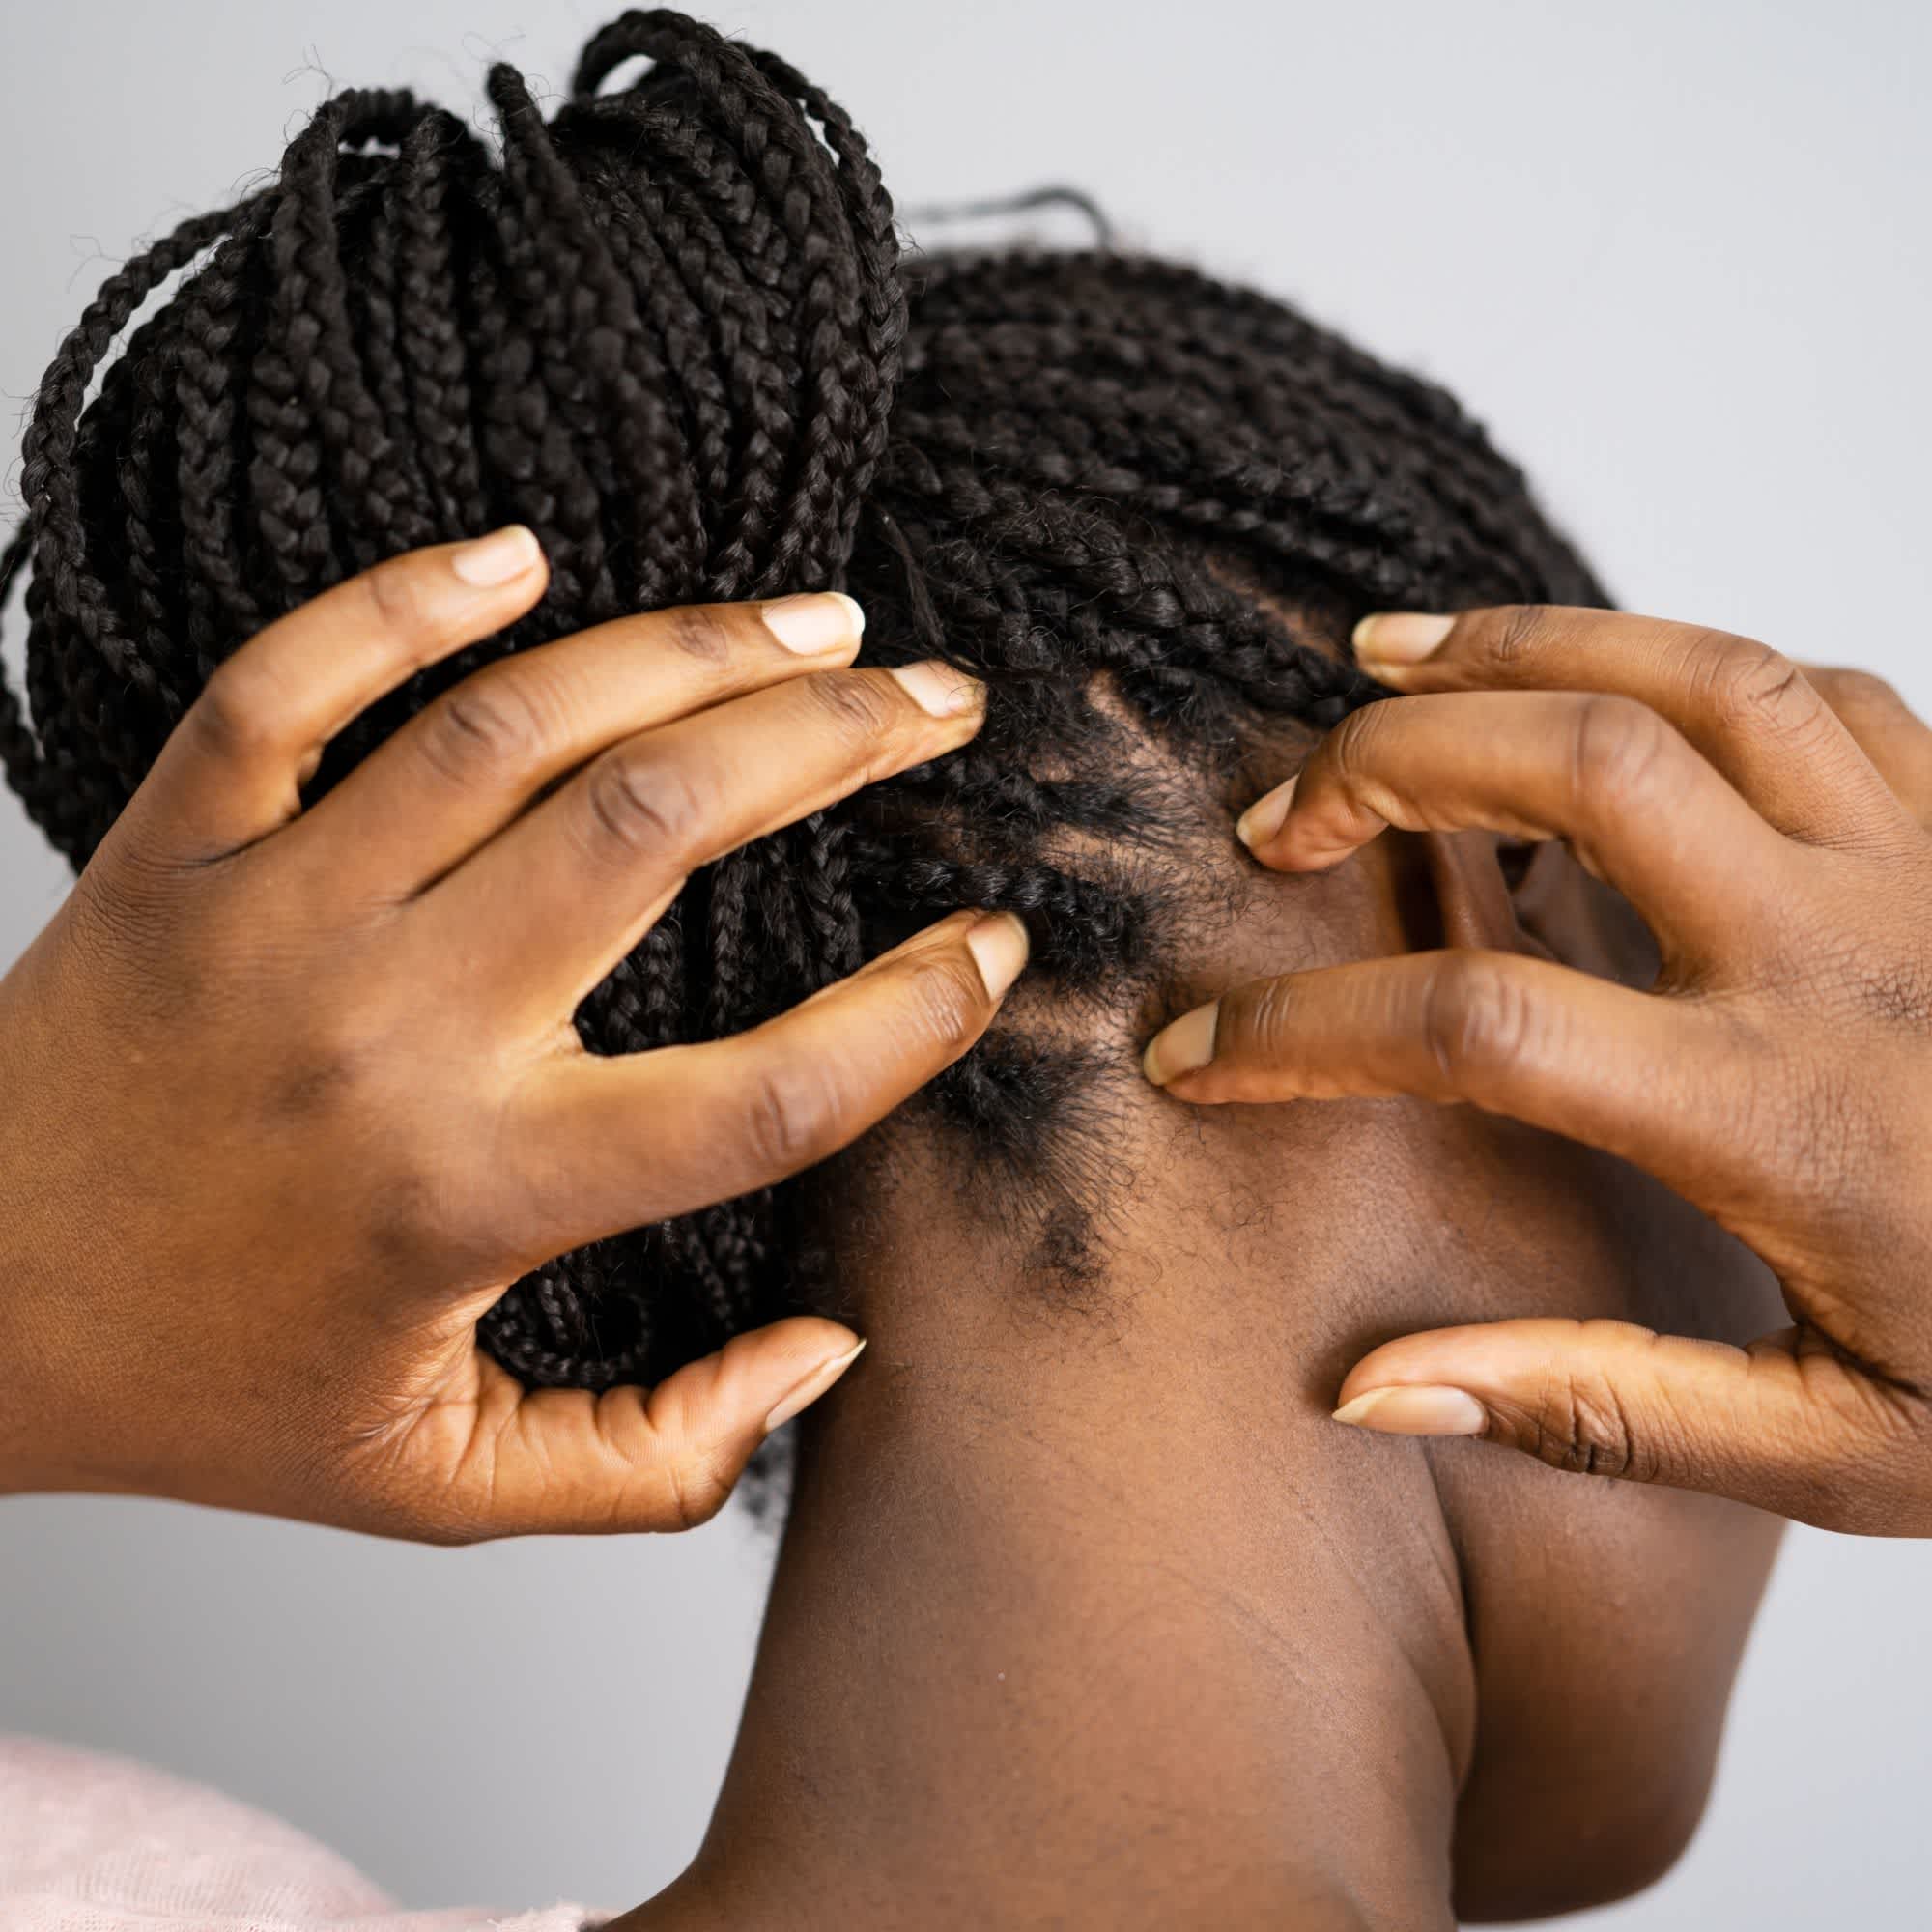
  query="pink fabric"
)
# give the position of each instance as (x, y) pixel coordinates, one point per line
(89, 1843)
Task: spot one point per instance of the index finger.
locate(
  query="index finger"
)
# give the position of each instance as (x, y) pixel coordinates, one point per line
(1889, 731)
(1601, 770)
(1748, 709)
(599, 1144)
(1636, 1074)
(232, 769)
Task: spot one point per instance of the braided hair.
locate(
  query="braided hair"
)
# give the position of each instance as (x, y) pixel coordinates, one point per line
(670, 329)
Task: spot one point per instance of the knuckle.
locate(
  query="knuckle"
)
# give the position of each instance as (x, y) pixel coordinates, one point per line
(1749, 686)
(240, 711)
(791, 1117)
(1855, 694)
(639, 802)
(698, 1488)
(420, 1210)
(1517, 633)
(1477, 1020)
(947, 1004)
(698, 632)
(1620, 752)
(1258, 1019)
(426, 1199)
(316, 1074)
(1582, 1426)
(1856, 685)
(1354, 749)
(487, 722)
(395, 596)
(856, 708)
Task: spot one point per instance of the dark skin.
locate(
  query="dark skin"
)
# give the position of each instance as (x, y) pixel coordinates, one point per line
(1085, 1616)
(1091, 1616)
(1773, 822)
(288, 1098)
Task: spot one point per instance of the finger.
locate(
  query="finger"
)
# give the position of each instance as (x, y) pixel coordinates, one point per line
(1787, 1424)
(590, 1142)
(570, 888)
(1889, 731)
(1750, 710)
(467, 763)
(231, 771)
(1629, 1072)
(565, 1461)
(1641, 809)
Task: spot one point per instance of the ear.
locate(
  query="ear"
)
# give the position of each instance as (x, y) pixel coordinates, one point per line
(1450, 891)
(1457, 892)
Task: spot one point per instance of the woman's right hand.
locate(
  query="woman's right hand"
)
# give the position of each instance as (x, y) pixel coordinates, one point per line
(1772, 822)
(291, 1097)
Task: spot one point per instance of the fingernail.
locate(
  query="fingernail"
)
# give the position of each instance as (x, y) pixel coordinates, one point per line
(1183, 1047)
(1264, 818)
(817, 621)
(999, 947)
(938, 688)
(1400, 637)
(1417, 1410)
(488, 561)
(812, 1388)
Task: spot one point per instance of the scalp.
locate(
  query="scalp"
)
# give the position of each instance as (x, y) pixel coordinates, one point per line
(669, 328)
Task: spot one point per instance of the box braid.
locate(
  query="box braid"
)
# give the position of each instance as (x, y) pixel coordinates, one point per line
(669, 328)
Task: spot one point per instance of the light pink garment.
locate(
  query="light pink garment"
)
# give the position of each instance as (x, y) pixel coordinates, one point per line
(89, 1843)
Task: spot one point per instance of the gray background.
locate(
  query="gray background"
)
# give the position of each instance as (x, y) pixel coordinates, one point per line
(1676, 256)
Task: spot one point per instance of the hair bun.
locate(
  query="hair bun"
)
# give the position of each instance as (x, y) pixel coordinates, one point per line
(666, 328)
(663, 328)
(737, 257)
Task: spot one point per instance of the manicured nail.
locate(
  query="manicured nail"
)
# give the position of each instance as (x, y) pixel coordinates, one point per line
(818, 621)
(488, 561)
(1183, 1047)
(1400, 637)
(1420, 1410)
(812, 1388)
(999, 947)
(1264, 818)
(938, 688)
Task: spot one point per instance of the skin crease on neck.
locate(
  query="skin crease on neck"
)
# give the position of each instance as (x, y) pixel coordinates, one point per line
(1087, 1614)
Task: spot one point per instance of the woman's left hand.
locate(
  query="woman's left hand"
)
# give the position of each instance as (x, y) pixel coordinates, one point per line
(1770, 821)
(291, 1092)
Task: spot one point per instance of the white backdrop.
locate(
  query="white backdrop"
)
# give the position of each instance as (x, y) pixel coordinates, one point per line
(1675, 255)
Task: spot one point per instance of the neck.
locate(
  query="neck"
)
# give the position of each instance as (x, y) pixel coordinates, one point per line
(1093, 1618)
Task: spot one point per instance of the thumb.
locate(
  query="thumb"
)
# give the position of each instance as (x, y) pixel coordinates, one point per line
(663, 1457)
(1789, 1424)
